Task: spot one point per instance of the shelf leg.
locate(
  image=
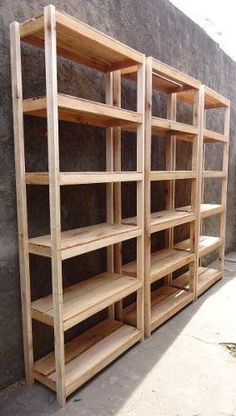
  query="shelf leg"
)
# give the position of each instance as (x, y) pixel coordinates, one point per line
(54, 197)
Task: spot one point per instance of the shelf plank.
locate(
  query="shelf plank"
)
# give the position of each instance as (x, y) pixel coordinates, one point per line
(84, 239)
(163, 262)
(206, 210)
(81, 43)
(80, 178)
(88, 354)
(79, 110)
(172, 175)
(212, 99)
(160, 125)
(206, 278)
(86, 298)
(214, 174)
(165, 302)
(212, 136)
(162, 220)
(207, 244)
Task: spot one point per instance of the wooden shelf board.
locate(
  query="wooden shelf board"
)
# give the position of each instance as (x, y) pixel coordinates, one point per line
(88, 354)
(81, 43)
(172, 175)
(206, 278)
(80, 178)
(79, 110)
(86, 298)
(160, 125)
(161, 220)
(206, 210)
(84, 239)
(214, 174)
(207, 244)
(163, 262)
(166, 302)
(212, 98)
(182, 281)
(212, 136)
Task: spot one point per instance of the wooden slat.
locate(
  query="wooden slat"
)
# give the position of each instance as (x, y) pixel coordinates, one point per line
(206, 278)
(81, 240)
(212, 136)
(207, 244)
(80, 178)
(86, 298)
(91, 351)
(160, 125)
(211, 100)
(214, 174)
(165, 302)
(172, 175)
(163, 262)
(79, 110)
(206, 210)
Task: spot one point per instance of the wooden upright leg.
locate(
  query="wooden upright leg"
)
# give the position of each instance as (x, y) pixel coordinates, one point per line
(16, 76)
(54, 197)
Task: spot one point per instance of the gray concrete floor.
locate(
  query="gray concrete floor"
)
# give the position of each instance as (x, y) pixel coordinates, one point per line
(182, 370)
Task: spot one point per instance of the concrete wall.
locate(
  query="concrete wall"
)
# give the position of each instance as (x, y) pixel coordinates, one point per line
(155, 28)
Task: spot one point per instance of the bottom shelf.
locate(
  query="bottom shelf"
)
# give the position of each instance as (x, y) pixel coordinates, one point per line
(87, 354)
(166, 301)
(206, 278)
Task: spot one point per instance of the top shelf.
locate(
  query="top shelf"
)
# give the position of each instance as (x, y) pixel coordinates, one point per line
(165, 78)
(81, 43)
(212, 99)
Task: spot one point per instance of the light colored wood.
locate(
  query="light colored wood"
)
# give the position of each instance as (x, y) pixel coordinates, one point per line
(91, 351)
(212, 136)
(214, 174)
(206, 278)
(206, 244)
(16, 79)
(172, 175)
(163, 262)
(212, 98)
(81, 43)
(54, 196)
(206, 210)
(86, 298)
(81, 178)
(81, 240)
(165, 302)
(79, 110)
(160, 125)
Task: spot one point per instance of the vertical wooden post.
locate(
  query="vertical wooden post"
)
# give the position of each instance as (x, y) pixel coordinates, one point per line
(109, 186)
(54, 196)
(147, 197)
(170, 165)
(17, 97)
(198, 119)
(224, 187)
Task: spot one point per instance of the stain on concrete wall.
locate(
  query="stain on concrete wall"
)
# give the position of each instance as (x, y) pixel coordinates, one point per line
(154, 28)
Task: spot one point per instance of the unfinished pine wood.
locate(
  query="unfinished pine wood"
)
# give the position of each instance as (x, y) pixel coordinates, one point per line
(79, 110)
(81, 240)
(81, 178)
(206, 278)
(206, 244)
(166, 301)
(212, 98)
(22, 219)
(172, 175)
(161, 125)
(88, 354)
(81, 43)
(206, 210)
(86, 298)
(163, 262)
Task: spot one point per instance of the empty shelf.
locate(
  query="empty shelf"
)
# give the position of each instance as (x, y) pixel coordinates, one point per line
(86, 298)
(212, 98)
(78, 110)
(172, 175)
(212, 136)
(160, 125)
(80, 178)
(81, 43)
(162, 263)
(206, 278)
(166, 301)
(206, 210)
(88, 354)
(82, 240)
(207, 244)
(161, 220)
(214, 174)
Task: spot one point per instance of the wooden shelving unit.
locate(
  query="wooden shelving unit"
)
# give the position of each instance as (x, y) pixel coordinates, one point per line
(72, 364)
(207, 244)
(163, 302)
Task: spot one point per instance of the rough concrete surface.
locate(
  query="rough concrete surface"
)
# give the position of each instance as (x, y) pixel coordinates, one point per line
(155, 28)
(182, 370)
